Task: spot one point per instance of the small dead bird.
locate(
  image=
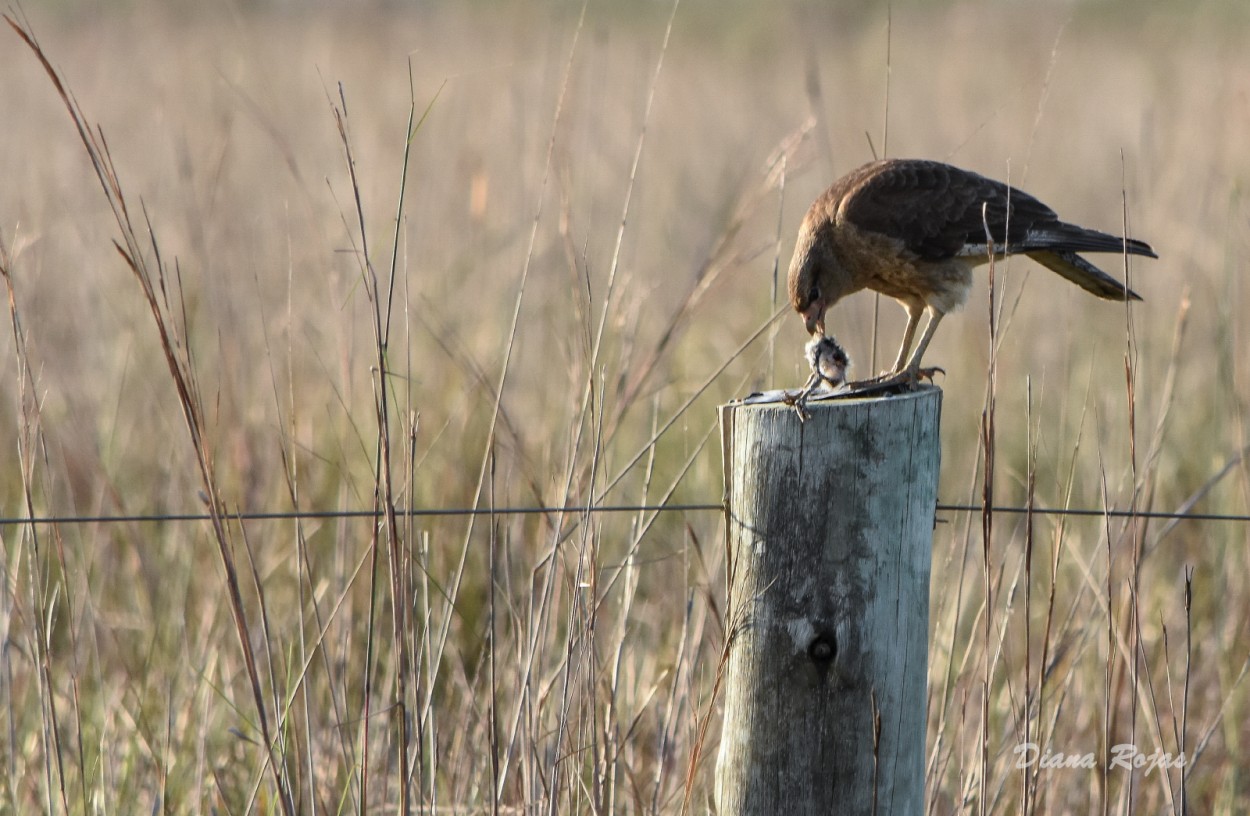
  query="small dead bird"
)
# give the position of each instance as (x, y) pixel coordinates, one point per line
(828, 362)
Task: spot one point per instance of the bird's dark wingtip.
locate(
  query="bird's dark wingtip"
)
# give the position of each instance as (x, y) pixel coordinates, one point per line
(1142, 248)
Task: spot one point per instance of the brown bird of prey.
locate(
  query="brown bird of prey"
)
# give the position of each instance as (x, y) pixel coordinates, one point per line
(914, 229)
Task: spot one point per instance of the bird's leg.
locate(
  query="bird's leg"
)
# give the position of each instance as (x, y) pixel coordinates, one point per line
(799, 400)
(911, 373)
(895, 374)
(913, 365)
(914, 310)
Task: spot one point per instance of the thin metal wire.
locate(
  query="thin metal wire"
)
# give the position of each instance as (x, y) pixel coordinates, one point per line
(281, 515)
(1090, 511)
(418, 512)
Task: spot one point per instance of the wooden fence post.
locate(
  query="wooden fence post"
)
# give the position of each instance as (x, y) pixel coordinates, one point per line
(830, 525)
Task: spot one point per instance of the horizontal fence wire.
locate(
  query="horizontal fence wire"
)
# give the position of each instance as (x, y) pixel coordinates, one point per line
(424, 512)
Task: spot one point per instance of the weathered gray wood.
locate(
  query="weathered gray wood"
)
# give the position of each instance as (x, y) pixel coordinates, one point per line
(830, 528)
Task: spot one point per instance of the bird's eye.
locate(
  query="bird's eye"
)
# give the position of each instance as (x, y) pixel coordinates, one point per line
(813, 294)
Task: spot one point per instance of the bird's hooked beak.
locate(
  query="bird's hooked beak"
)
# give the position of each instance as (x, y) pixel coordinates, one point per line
(814, 317)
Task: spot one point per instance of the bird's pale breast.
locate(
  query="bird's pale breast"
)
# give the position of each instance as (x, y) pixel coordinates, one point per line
(884, 265)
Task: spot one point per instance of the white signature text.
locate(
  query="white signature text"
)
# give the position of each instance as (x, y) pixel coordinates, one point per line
(1124, 756)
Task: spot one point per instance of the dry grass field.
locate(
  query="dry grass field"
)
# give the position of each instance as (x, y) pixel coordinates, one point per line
(541, 304)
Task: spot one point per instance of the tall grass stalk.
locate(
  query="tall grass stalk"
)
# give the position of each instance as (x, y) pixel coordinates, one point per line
(137, 244)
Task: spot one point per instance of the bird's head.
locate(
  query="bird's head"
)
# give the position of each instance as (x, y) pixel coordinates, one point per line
(813, 281)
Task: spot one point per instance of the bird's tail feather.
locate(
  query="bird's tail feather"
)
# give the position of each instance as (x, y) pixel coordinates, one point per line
(1071, 238)
(1084, 274)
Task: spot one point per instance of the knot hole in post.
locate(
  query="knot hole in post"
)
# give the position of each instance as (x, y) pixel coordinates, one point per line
(823, 648)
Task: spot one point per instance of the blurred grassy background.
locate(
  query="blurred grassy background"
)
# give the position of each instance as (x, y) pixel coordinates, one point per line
(219, 119)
